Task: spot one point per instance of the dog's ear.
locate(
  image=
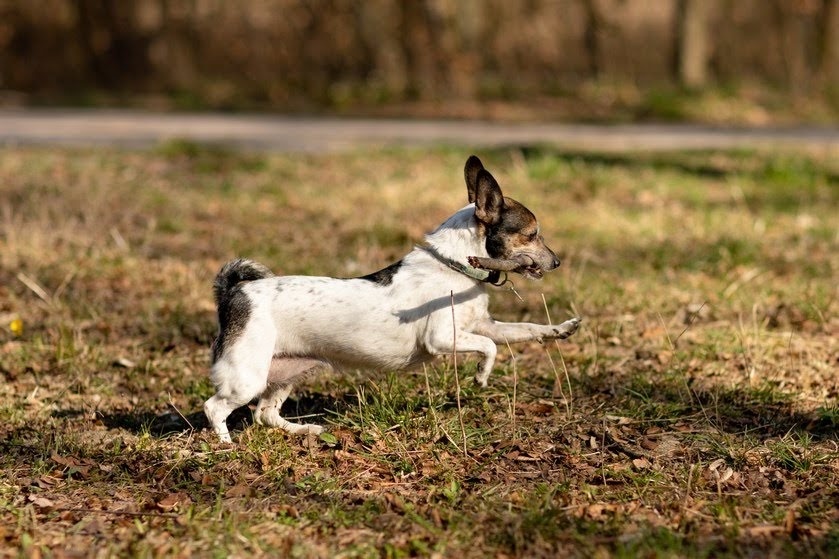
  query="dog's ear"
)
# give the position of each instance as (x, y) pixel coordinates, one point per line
(489, 201)
(473, 165)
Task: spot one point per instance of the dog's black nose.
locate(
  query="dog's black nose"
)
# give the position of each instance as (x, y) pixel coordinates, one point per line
(556, 262)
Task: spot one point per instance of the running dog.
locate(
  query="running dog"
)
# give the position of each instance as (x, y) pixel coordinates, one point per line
(273, 330)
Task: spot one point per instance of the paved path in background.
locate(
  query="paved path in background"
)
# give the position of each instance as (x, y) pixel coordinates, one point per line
(128, 128)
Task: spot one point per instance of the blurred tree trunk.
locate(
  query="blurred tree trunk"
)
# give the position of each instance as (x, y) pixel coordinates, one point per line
(828, 47)
(462, 45)
(693, 42)
(418, 41)
(591, 37)
(176, 44)
(115, 51)
(382, 35)
(794, 20)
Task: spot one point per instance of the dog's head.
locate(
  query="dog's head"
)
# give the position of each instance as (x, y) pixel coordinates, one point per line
(511, 230)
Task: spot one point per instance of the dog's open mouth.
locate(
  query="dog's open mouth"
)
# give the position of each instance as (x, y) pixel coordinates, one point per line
(528, 267)
(533, 271)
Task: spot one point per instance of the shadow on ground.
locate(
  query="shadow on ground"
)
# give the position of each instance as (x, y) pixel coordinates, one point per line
(306, 408)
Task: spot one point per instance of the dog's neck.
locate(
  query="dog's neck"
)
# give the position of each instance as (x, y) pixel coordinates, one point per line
(458, 237)
(455, 240)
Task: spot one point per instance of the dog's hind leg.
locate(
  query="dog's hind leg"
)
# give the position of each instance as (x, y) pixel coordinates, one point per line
(232, 395)
(268, 412)
(284, 370)
(217, 409)
(240, 374)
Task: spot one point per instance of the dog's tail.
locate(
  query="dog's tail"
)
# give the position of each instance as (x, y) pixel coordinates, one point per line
(234, 273)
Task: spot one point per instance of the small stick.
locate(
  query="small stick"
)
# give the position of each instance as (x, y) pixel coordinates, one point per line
(457, 378)
(515, 388)
(500, 264)
(116, 512)
(36, 288)
(570, 400)
(430, 402)
(174, 407)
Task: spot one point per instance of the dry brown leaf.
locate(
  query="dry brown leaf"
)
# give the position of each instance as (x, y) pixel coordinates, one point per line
(41, 502)
(173, 501)
(238, 490)
(649, 444)
(642, 463)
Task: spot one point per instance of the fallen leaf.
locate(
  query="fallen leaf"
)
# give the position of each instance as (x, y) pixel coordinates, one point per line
(238, 490)
(67, 461)
(47, 481)
(173, 501)
(714, 466)
(649, 444)
(642, 463)
(539, 408)
(41, 502)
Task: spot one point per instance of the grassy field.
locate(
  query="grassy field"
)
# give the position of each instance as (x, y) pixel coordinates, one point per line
(696, 413)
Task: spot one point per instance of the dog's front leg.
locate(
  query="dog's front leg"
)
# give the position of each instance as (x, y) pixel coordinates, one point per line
(443, 343)
(513, 332)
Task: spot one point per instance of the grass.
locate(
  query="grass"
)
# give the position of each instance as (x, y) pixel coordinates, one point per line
(698, 417)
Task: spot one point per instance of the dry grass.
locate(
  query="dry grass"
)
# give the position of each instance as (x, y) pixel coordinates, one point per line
(698, 416)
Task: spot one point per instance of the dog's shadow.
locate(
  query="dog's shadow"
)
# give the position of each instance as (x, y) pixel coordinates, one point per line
(733, 411)
(306, 408)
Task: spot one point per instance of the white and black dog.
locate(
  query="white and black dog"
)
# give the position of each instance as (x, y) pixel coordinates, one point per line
(275, 329)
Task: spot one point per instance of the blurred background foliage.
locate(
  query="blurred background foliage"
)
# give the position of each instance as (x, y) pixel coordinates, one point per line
(745, 61)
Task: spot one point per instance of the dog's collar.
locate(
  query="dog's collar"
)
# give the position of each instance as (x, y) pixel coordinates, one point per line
(486, 276)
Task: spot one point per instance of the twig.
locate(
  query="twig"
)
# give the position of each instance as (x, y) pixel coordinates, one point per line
(430, 402)
(174, 407)
(666, 332)
(117, 512)
(568, 401)
(603, 453)
(36, 288)
(359, 395)
(501, 264)
(691, 319)
(515, 387)
(688, 488)
(570, 404)
(457, 377)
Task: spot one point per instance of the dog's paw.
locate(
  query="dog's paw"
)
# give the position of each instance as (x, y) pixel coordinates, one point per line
(224, 438)
(314, 429)
(482, 382)
(567, 328)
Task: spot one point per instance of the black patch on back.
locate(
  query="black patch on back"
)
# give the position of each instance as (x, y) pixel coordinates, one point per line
(385, 276)
(233, 315)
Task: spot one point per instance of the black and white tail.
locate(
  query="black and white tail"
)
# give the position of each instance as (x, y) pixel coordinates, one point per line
(234, 273)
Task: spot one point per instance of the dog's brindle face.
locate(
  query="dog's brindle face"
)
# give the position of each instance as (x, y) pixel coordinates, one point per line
(517, 233)
(511, 229)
